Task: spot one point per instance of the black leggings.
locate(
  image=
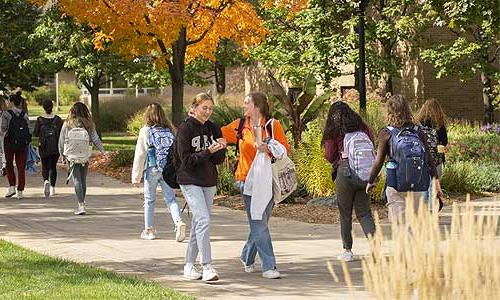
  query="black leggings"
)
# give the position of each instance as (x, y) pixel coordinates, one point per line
(49, 167)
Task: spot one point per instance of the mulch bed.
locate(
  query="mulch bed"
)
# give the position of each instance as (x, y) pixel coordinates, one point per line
(298, 211)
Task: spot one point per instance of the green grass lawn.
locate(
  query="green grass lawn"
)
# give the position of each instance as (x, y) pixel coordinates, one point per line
(37, 110)
(29, 275)
(111, 142)
(118, 142)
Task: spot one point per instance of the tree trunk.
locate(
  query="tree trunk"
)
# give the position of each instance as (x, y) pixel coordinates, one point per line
(93, 88)
(176, 71)
(220, 77)
(487, 99)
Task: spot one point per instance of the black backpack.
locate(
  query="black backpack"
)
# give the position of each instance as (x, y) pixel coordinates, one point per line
(18, 132)
(170, 169)
(49, 136)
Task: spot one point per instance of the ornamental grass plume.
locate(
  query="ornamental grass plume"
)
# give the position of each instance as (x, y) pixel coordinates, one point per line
(460, 260)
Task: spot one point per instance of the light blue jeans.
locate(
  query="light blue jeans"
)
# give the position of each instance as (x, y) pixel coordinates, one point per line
(200, 200)
(259, 239)
(153, 177)
(428, 193)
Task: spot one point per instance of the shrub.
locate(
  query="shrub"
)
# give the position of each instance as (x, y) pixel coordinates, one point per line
(40, 94)
(471, 176)
(68, 94)
(468, 142)
(225, 182)
(115, 113)
(135, 123)
(122, 158)
(314, 172)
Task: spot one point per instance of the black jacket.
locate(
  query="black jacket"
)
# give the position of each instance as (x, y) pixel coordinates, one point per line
(197, 166)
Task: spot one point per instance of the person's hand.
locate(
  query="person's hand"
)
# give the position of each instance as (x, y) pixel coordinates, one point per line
(215, 147)
(262, 147)
(369, 187)
(222, 141)
(439, 191)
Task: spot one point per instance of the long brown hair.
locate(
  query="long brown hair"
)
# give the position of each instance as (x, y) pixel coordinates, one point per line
(155, 116)
(433, 112)
(398, 111)
(260, 100)
(79, 115)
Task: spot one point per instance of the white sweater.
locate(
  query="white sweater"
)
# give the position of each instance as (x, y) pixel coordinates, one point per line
(140, 155)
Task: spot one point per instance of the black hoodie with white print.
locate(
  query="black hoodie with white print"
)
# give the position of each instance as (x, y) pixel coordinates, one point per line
(197, 165)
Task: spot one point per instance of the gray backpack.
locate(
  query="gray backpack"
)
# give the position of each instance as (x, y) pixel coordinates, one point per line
(77, 145)
(360, 151)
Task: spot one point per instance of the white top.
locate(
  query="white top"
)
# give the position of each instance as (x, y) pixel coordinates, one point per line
(140, 155)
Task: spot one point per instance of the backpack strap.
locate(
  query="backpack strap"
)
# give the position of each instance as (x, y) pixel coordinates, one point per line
(239, 135)
(269, 126)
(394, 132)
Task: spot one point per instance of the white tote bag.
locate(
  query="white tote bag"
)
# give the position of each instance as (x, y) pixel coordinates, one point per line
(284, 178)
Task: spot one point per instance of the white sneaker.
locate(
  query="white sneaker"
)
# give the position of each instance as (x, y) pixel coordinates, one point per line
(248, 269)
(46, 188)
(52, 191)
(19, 195)
(180, 231)
(190, 272)
(346, 256)
(81, 209)
(271, 274)
(148, 234)
(209, 273)
(11, 191)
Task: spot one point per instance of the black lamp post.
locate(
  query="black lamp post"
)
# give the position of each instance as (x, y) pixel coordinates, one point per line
(361, 70)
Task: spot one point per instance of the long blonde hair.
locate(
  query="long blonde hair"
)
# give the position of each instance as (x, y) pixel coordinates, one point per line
(398, 111)
(155, 116)
(432, 111)
(78, 116)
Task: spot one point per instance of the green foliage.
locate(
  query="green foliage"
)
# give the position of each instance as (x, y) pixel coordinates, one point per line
(301, 108)
(29, 275)
(314, 172)
(118, 142)
(467, 142)
(40, 94)
(68, 94)
(135, 123)
(224, 113)
(115, 113)
(225, 182)
(18, 19)
(122, 158)
(471, 176)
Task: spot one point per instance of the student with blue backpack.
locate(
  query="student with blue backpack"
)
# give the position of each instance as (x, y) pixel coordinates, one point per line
(347, 144)
(409, 167)
(155, 142)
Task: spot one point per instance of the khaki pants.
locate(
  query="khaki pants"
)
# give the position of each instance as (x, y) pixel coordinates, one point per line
(396, 202)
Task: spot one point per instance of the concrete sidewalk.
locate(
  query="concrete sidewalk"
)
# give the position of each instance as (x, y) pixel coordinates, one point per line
(108, 236)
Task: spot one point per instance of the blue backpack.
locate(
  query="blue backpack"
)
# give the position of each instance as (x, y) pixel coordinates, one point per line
(407, 150)
(160, 141)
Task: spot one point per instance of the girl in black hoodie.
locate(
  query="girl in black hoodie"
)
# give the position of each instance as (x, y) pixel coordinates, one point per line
(200, 147)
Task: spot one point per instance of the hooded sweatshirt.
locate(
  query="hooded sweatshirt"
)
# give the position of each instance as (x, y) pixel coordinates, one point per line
(197, 164)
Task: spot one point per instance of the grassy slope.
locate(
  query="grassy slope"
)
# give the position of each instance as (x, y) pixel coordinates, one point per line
(29, 275)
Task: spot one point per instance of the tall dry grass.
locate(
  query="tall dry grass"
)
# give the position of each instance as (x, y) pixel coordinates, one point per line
(460, 260)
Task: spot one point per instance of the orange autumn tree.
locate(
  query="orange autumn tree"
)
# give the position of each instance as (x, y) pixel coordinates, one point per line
(172, 33)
